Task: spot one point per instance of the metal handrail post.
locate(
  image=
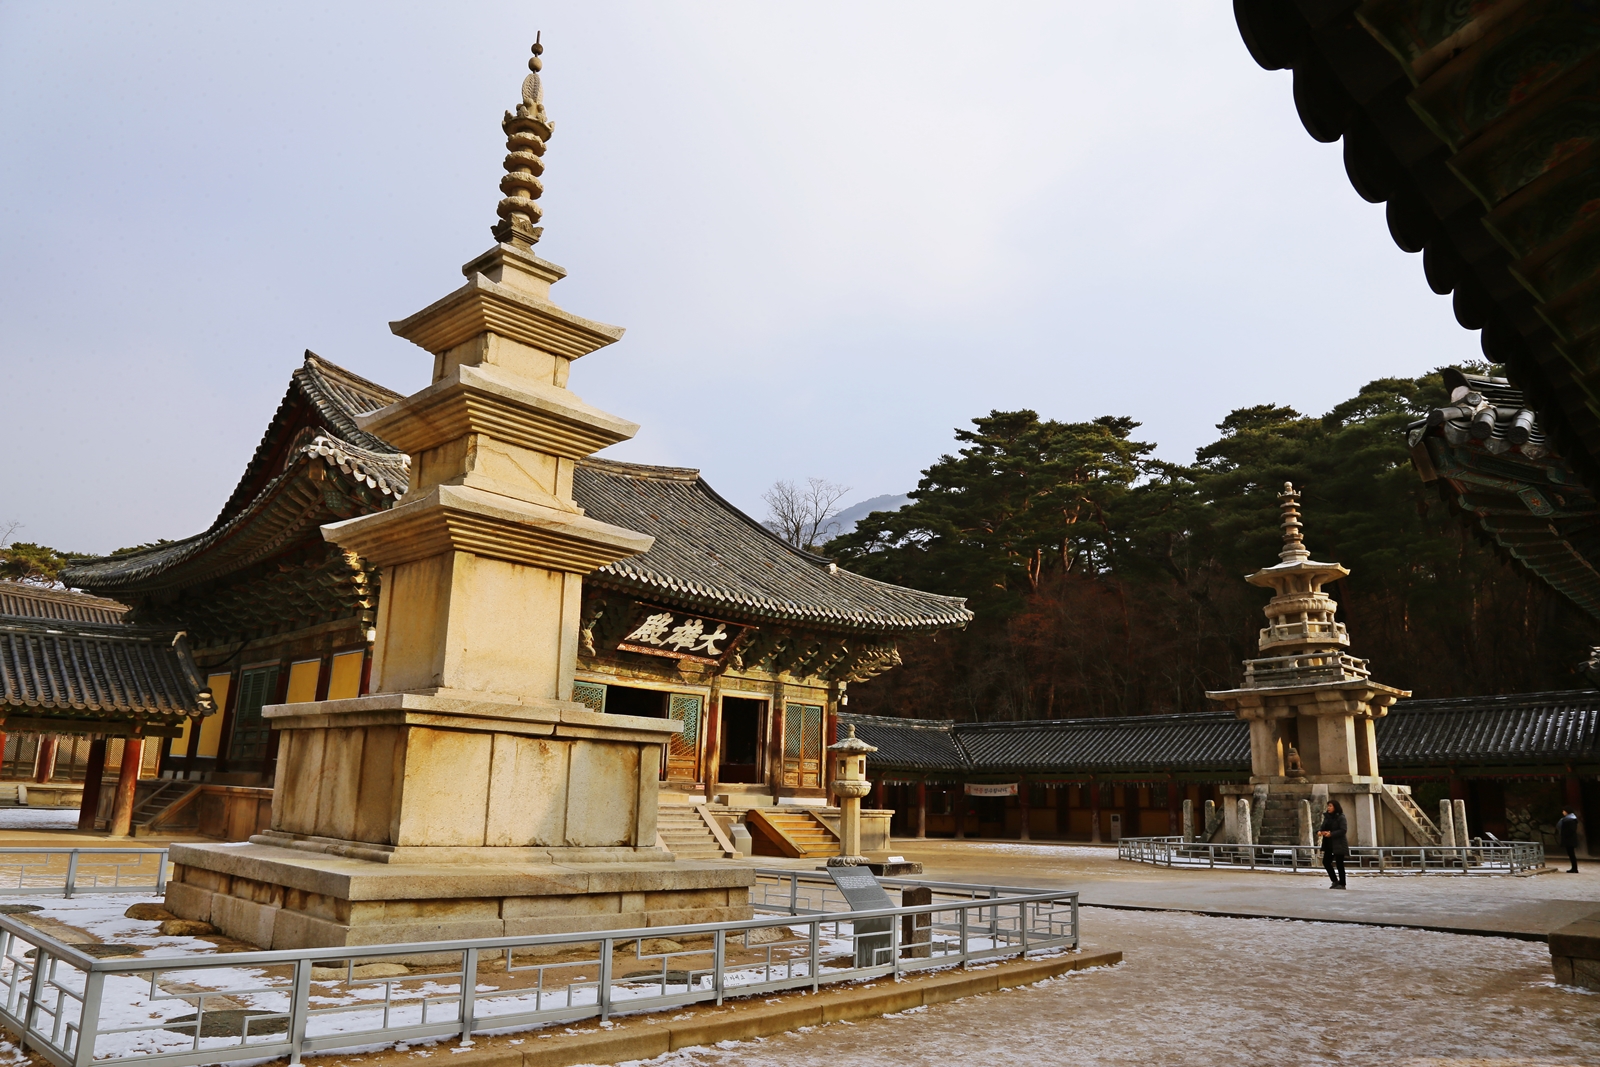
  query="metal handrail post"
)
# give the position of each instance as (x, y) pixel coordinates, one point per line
(963, 908)
(72, 874)
(603, 994)
(816, 933)
(894, 944)
(469, 994)
(161, 874)
(89, 1018)
(299, 1011)
(719, 954)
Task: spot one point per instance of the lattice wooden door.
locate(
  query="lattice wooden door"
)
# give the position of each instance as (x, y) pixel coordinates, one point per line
(802, 746)
(683, 751)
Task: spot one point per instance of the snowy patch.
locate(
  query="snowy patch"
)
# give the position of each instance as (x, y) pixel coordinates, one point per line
(38, 818)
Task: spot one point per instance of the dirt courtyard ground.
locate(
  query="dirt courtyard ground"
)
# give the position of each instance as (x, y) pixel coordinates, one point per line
(1212, 991)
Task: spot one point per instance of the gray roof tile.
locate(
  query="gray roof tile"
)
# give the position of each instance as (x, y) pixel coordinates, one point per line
(97, 672)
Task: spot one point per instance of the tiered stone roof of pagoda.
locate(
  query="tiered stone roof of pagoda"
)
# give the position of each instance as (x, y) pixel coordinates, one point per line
(1491, 457)
(263, 560)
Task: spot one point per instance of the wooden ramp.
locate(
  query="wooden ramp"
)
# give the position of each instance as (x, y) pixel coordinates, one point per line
(790, 832)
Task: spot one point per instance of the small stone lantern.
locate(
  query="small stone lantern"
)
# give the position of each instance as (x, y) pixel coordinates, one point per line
(850, 785)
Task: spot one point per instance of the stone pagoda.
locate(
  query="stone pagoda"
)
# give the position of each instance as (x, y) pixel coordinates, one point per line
(468, 795)
(1312, 709)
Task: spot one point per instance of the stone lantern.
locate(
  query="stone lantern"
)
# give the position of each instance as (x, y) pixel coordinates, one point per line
(850, 785)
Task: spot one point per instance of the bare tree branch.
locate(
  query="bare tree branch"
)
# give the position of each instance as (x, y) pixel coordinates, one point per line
(803, 515)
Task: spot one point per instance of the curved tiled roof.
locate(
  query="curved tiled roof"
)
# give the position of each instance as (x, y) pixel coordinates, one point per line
(1475, 124)
(924, 743)
(1524, 729)
(1491, 451)
(314, 423)
(19, 598)
(1521, 727)
(710, 556)
(291, 508)
(97, 672)
(334, 397)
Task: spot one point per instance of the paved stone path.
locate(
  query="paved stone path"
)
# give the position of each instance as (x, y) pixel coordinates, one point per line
(1528, 906)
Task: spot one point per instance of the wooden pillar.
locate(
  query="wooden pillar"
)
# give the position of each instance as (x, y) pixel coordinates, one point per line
(1022, 803)
(2, 748)
(960, 808)
(44, 763)
(1094, 811)
(1174, 806)
(711, 743)
(772, 750)
(922, 810)
(127, 782)
(92, 775)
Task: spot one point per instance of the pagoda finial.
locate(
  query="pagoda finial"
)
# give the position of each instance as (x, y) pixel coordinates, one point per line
(1294, 549)
(526, 130)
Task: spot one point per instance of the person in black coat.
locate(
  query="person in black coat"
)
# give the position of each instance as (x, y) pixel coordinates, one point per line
(1335, 843)
(1567, 833)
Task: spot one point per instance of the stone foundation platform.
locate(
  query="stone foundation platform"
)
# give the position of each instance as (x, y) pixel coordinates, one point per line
(281, 898)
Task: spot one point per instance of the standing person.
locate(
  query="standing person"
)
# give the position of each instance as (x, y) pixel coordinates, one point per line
(1335, 843)
(1567, 832)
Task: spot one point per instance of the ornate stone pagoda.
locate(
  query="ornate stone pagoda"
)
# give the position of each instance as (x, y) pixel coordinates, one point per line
(1312, 708)
(467, 794)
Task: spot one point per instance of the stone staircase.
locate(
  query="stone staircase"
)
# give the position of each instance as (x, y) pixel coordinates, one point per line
(1415, 820)
(1280, 821)
(152, 797)
(689, 833)
(791, 832)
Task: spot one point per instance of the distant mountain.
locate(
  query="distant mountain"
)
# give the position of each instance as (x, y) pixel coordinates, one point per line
(853, 514)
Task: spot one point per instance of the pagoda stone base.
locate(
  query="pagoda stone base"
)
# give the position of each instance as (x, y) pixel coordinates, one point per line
(1377, 813)
(286, 898)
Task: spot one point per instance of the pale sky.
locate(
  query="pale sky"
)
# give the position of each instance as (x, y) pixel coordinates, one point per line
(834, 231)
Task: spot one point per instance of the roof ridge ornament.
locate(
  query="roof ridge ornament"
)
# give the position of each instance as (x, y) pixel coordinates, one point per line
(527, 129)
(1294, 548)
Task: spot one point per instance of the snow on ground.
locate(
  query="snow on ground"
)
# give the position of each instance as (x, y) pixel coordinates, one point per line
(1193, 989)
(38, 818)
(1200, 990)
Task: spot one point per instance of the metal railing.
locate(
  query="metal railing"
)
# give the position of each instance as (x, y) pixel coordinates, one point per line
(68, 872)
(75, 1009)
(1490, 857)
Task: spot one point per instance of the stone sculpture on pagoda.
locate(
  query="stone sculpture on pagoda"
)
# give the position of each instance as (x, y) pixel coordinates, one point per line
(1312, 709)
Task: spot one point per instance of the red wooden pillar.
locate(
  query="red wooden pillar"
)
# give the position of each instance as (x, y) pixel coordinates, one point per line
(711, 744)
(922, 810)
(960, 808)
(93, 772)
(1174, 806)
(44, 764)
(1094, 811)
(1022, 803)
(127, 783)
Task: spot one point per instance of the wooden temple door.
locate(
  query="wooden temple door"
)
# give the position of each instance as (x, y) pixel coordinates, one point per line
(683, 750)
(802, 746)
